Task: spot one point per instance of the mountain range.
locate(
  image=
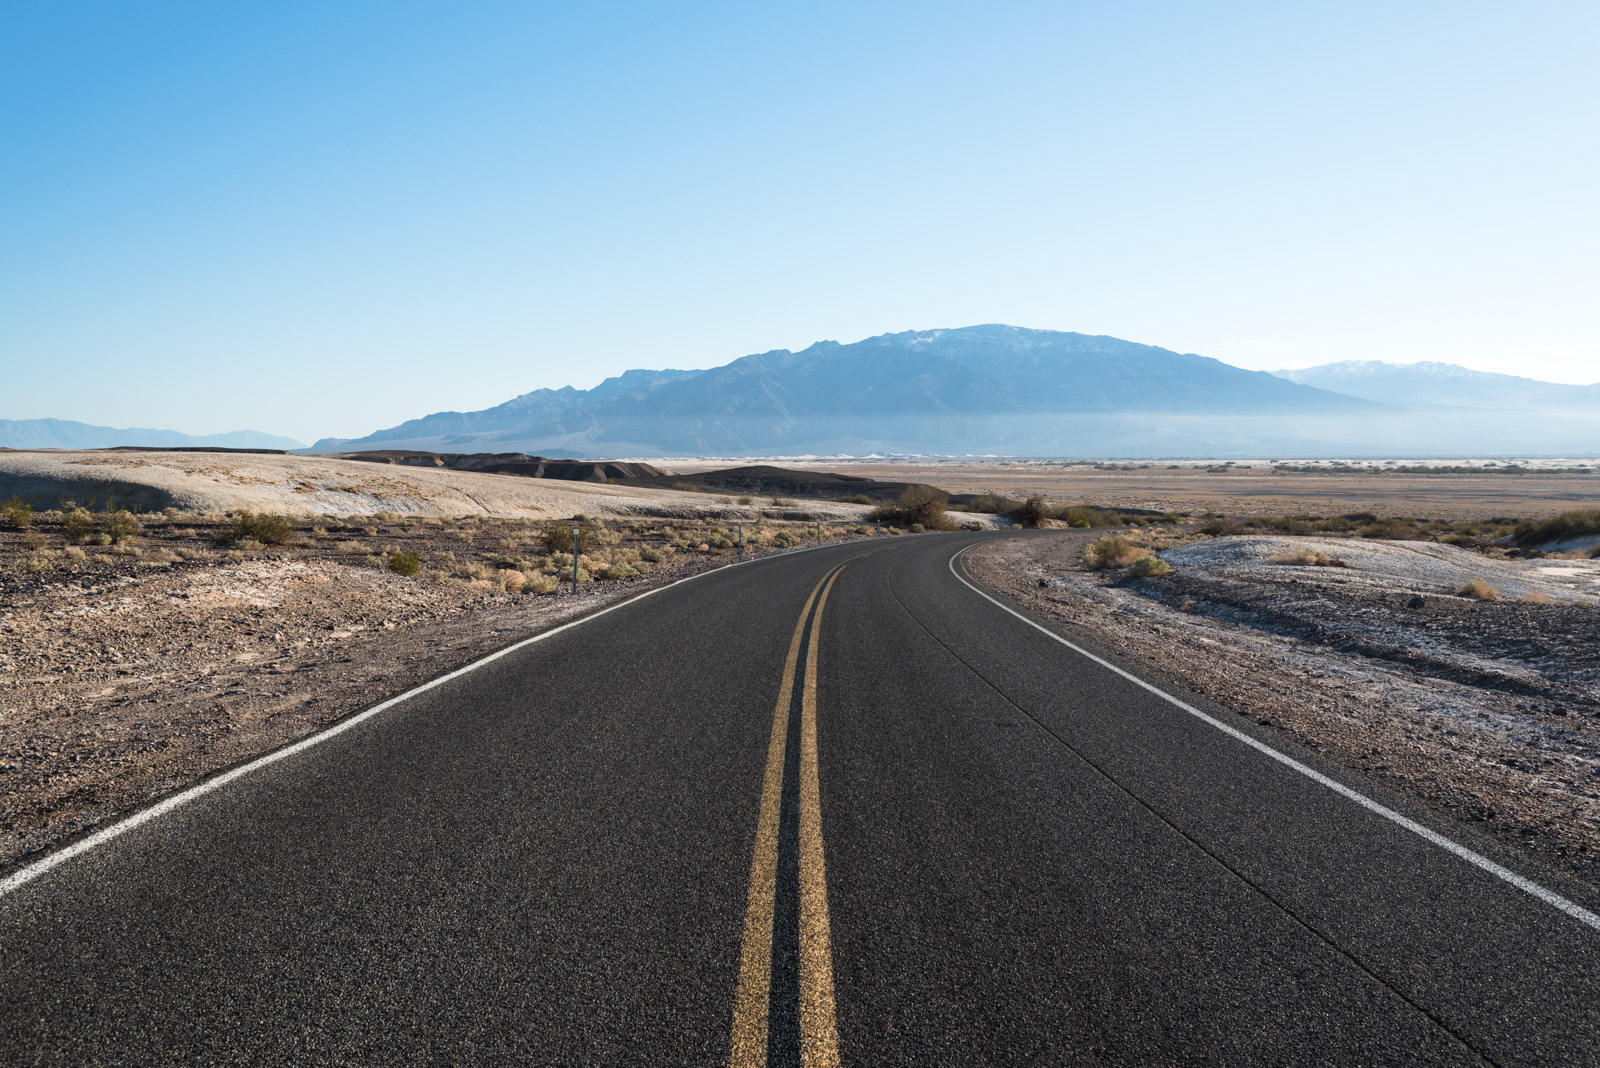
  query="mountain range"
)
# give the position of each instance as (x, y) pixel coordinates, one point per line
(1445, 384)
(981, 389)
(978, 390)
(66, 434)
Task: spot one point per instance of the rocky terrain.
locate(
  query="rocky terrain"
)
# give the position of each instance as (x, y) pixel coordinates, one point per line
(1487, 711)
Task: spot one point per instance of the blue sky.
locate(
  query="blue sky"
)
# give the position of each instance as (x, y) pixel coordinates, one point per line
(322, 219)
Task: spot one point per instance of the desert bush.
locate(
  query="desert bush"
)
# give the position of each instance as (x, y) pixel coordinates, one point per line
(77, 524)
(556, 535)
(1573, 524)
(16, 513)
(75, 555)
(614, 572)
(917, 528)
(512, 581)
(32, 540)
(404, 563)
(918, 504)
(1537, 597)
(1149, 565)
(564, 575)
(993, 504)
(541, 584)
(652, 556)
(1111, 550)
(856, 498)
(686, 487)
(1032, 512)
(249, 545)
(264, 529)
(786, 539)
(783, 502)
(1479, 590)
(1305, 556)
(121, 524)
(745, 498)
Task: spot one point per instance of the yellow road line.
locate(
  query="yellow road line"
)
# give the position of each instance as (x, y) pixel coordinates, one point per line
(819, 1037)
(755, 955)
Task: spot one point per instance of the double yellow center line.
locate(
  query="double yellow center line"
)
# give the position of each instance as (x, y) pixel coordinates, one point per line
(819, 1037)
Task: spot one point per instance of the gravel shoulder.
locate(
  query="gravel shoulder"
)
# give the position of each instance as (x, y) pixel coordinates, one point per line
(1486, 712)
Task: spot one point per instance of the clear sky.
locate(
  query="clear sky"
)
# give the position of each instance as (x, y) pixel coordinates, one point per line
(321, 219)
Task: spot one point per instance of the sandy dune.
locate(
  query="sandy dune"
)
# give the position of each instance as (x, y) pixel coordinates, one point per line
(215, 483)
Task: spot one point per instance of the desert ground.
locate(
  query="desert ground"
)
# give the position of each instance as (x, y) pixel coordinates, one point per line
(137, 658)
(1246, 488)
(1487, 711)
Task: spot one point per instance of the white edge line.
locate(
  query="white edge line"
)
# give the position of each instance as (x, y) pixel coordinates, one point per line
(1500, 871)
(22, 876)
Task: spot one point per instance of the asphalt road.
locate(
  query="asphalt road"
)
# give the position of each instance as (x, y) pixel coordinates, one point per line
(834, 804)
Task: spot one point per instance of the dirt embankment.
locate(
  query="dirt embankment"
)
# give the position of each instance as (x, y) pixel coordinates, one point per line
(1486, 711)
(217, 483)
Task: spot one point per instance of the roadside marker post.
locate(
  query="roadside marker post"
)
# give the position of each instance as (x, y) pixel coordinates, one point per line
(740, 525)
(574, 560)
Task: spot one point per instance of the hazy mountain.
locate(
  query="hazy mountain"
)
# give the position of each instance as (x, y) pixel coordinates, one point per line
(981, 389)
(1444, 383)
(66, 434)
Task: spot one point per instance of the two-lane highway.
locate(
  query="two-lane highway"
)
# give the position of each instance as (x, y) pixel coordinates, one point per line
(836, 807)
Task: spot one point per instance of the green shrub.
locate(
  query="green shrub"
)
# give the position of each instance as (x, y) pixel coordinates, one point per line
(121, 525)
(614, 572)
(556, 535)
(993, 504)
(1574, 524)
(652, 556)
(786, 539)
(77, 524)
(17, 513)
(404, 563)
(1149, 565)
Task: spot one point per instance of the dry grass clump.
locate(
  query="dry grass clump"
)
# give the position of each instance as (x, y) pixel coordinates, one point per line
(511, 581)
(1537, 597)
(1149, 565)
(1479, 590)
(1112, 550)
(1305, 556)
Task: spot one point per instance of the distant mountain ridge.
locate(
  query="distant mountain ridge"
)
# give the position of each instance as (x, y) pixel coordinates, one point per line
(1443, 383)
(980, 389)
(67, 434)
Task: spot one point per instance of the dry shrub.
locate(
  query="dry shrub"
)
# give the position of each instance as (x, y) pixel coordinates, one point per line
(1149, 565)
(1305, 556)
(1111, 550)
(262, 529)
(1479, 590)
(918, 504)
(512, 581)
(540, 584)
(1537, 597)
